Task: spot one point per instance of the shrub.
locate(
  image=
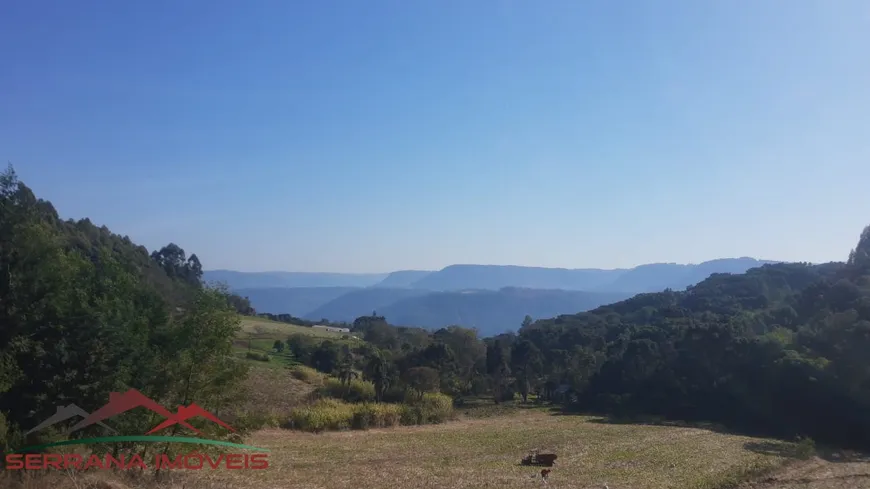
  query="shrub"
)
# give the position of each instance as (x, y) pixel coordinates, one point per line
(433, 408)
(805, 447)
(371, 415)
(410, 415)
(394, 394)
(307, 374)
(260, 357)
(436, 408)
(326, 414)
(355, 391)
(245, 422)
(332, 414)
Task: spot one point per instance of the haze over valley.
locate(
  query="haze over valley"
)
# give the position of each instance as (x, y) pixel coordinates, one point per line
(492, 298)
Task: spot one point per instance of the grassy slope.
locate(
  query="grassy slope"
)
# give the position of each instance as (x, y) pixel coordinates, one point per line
(280, 330)
(486, 453)
(260, 334)
(274, 392)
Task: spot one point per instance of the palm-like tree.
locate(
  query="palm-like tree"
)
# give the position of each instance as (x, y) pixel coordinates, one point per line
(378, 371)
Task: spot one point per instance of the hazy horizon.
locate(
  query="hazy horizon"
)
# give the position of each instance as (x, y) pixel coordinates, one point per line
(494, 265)
(386, 136)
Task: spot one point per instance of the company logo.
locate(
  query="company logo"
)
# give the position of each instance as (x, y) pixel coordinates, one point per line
(121, 403)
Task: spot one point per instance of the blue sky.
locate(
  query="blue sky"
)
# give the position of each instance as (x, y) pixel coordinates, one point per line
(383, 135)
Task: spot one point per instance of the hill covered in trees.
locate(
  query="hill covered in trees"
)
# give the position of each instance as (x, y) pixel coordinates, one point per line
(781, 348)
(84, 312)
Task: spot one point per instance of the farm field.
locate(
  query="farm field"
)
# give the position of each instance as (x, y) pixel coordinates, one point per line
(258, 335)
(281, 330)
(481, 453)
(485, 453)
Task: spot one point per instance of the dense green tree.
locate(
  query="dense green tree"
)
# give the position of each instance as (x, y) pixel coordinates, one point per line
(345, 365)
(498, 367)
(377, 371)
(242, 305)
(466, 351)
(527, 366)
(302, 347)
(422, 380)
(325, 357)
(174, 262)
(860, 256)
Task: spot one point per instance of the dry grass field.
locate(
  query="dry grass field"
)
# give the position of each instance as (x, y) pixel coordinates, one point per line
(273, 390)
(485, 453)
(849, 472)
(279, 330)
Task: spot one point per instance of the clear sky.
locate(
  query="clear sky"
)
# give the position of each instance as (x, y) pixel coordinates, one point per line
(380, 135)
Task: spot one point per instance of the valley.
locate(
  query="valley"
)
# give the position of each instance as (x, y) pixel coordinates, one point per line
(493, 299)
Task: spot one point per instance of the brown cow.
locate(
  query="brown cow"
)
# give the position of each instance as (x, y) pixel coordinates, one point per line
(545, 474)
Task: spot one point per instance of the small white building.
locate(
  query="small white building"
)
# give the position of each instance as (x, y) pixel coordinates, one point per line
(332, 329)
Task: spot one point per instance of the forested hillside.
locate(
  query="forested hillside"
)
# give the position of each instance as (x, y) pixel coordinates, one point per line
(781, 348)
(84, 312)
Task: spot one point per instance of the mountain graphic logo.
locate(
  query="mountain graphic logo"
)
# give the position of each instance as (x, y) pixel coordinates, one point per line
(64, 413)
(121, 403)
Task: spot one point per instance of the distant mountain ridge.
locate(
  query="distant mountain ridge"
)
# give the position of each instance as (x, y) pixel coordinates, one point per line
(489, 297)
(404, 278)
(643, 278)
(495, 277)
(656, 277)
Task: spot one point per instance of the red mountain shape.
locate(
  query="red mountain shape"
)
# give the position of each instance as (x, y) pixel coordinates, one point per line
(187, 412)
(119, 403)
